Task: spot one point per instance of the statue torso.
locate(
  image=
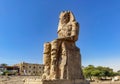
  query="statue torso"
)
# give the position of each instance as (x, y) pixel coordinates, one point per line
(65, 31)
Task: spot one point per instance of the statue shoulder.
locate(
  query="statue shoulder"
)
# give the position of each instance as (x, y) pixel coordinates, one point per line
(75, 26)
(75, 23)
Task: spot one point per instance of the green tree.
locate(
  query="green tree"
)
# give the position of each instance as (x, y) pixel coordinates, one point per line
(118, 72)
(3, 64)
(3, 69)
(95, 72)
(88, 71)
(98, 72)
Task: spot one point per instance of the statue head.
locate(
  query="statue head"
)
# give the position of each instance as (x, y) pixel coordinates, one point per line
(66, 16)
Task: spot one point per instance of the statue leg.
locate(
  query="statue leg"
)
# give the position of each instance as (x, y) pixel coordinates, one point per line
(63, 72)
(54, 59)
(47, 60)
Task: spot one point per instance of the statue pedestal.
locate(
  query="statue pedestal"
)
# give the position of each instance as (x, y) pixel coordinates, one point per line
(39, 81)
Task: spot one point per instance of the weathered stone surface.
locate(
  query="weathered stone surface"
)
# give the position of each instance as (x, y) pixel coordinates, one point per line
(30, 69)
(62, 58)
(68, 28)
(47, 60)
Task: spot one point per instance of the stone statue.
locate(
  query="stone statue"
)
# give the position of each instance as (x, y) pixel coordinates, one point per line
(68, 28)
(62, 58)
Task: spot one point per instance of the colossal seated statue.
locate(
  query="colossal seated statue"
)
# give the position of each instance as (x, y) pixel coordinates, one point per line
(62, 58)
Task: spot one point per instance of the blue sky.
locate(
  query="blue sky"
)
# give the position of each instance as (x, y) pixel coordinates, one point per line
(25, 25)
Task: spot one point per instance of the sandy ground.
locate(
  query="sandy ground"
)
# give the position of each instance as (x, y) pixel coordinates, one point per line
(20, 80)
(106, 82)
(15, 79)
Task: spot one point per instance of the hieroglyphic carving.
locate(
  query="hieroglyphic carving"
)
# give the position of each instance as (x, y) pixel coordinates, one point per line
(61, 56)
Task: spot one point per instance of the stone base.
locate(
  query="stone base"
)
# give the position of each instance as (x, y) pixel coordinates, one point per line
(39, 81)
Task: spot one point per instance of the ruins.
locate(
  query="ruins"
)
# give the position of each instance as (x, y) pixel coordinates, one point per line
(62, 58)
(30, 69)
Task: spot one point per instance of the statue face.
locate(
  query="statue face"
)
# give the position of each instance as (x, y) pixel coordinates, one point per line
(65, 18)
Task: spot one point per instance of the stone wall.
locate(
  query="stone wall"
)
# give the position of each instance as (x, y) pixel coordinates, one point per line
(30, 69)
